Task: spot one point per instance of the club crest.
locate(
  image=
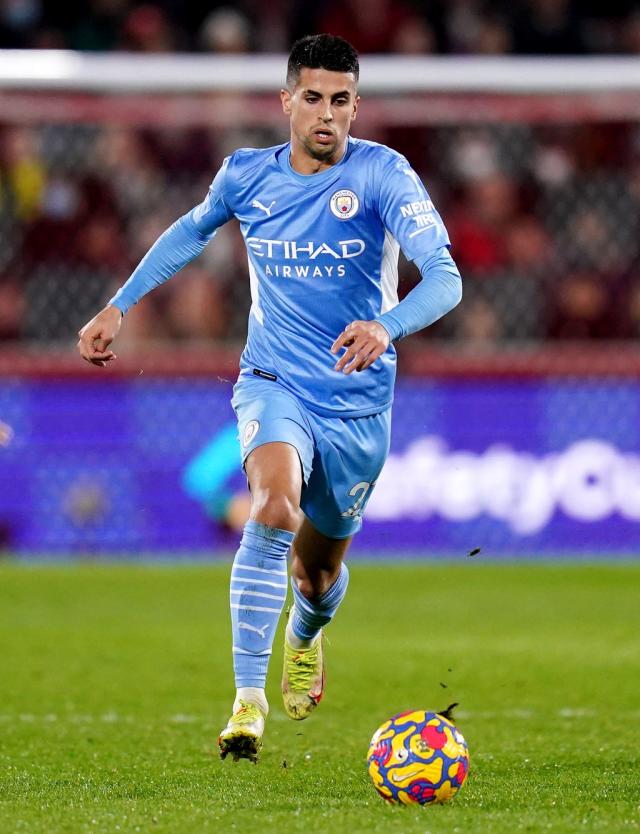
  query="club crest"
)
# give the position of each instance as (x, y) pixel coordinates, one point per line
(344, 204)
(250, 431)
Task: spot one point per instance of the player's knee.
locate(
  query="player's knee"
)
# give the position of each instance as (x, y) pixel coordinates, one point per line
(306, 587)
(312, 587)
(315, 583)
(275, 510)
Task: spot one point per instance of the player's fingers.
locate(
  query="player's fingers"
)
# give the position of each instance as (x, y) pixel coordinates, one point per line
(351, 360)
(88, 348)
(362, 361)
(101, 342)
(93, 356)
(376, 353)
(102, 360)
(357, 364)
(352, 350)
(371, 351)
(347, 336)
(104, 356)
(344, 340)
(93, 360)
(83, 349)
(86, 341)
(350, 346)
(335, 347)
(346, 357)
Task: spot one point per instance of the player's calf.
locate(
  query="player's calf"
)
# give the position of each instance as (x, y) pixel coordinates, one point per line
(303, 676)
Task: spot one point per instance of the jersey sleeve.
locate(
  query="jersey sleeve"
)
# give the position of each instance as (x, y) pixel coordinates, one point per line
(438, 292)
(178, 245)
(407, 212)
(213, 211)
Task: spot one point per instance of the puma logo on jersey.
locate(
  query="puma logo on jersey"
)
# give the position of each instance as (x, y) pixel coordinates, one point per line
(266, 209)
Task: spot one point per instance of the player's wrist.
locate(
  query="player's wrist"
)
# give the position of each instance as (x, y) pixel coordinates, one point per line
(114, 310)
(387, 329)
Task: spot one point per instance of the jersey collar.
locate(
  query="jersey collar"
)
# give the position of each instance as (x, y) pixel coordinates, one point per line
(310, 180)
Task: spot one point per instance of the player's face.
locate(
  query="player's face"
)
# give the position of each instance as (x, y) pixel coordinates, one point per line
(321, 108)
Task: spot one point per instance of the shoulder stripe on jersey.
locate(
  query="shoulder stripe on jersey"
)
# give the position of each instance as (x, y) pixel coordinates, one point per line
(389, 272)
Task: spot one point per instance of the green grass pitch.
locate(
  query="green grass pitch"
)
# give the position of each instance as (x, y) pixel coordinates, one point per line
(115, 679)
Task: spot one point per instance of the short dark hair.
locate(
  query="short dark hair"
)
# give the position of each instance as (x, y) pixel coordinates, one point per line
(329, 52)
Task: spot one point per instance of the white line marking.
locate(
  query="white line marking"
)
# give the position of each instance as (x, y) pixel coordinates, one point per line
(181, 718)
(423, 229)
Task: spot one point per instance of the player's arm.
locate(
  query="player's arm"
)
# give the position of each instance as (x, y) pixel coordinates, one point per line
(437, 293)
(365, 341)
(408, 213)
(176, 247)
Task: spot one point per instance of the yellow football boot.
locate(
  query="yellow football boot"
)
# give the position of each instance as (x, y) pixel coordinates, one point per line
(242, 737)
(303, 679)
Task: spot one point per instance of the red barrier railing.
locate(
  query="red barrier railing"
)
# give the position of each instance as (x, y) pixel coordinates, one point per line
(590, 359)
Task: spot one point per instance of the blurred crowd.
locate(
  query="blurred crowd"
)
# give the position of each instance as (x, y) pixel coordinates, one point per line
(544, 222)
(544, 219)
(406, 26)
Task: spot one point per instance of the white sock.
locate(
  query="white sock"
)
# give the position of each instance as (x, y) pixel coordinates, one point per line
(296, 642)
(254, 696)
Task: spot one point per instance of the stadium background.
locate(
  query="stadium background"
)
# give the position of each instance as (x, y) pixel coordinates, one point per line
(517, 421)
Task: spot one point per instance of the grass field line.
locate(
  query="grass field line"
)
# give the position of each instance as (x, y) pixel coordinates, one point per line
(187, 718)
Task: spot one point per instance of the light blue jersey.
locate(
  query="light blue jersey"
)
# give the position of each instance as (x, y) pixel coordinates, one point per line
(323, 252)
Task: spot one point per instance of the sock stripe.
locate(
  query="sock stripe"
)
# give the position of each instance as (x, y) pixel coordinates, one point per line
(240, 566)
(256, 608)
(310, 615)
(259, 575)
(246, 593)
(246, 579)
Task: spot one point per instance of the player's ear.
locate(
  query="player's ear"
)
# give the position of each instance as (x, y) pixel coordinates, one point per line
(354, 112)
(285, 98)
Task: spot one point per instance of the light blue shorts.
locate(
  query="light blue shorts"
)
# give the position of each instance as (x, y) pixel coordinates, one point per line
(341, 458)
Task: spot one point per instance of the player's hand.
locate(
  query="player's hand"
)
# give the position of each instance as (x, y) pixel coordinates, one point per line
(96, 336)
(364, 341)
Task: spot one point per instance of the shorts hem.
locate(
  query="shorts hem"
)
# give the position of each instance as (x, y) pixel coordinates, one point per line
(264, 442)
(324, 529)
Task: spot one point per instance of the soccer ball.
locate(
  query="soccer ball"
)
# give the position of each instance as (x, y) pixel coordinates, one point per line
(418, 757)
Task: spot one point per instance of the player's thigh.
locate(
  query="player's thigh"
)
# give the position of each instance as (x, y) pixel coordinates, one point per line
(274, 469)
(271, 420)
(348, 459)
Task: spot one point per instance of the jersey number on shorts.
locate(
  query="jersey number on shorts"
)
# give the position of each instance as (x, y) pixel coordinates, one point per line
(361, 489)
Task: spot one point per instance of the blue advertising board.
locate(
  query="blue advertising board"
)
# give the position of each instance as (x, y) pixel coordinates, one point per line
(515, 468)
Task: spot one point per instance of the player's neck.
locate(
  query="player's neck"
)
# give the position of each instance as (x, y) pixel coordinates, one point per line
(303, 163)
